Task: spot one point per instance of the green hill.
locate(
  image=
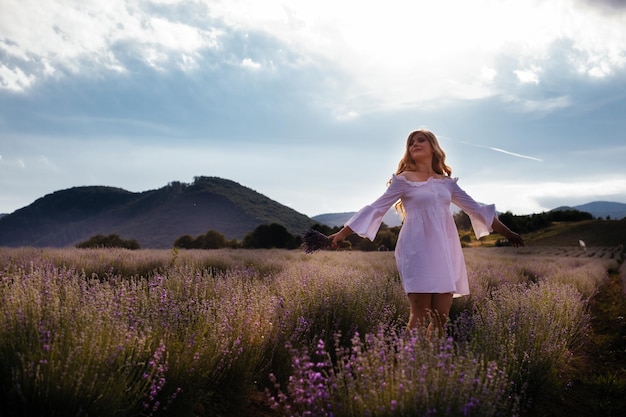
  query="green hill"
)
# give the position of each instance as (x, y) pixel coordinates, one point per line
(592, 232)
(154, 218)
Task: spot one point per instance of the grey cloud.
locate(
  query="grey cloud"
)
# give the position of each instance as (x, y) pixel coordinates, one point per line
(605, 5)
(219, 97)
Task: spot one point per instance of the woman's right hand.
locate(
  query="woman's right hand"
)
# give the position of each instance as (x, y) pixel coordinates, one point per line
(339, 236)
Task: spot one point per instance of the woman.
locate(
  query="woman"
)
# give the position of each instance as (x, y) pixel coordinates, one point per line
(428, 252)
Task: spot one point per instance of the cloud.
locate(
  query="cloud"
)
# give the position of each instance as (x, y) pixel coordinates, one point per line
(541, 105)
(529, 81)
(612, 6)
(528, 76)
(381, 59)
(580, 192)
(14, 79)
(403, 68)
(528, 197)
(84, 37)
(249, 63)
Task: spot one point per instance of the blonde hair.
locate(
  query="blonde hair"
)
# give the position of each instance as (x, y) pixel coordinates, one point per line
(407, 163)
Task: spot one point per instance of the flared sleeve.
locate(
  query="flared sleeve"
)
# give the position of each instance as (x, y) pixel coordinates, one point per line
(367, 221)
(481, 215)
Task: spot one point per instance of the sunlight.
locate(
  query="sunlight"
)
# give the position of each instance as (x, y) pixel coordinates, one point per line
(405, 54)
(400, 53)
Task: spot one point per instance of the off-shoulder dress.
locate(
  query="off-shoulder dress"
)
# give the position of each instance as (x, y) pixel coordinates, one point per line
(428, 252)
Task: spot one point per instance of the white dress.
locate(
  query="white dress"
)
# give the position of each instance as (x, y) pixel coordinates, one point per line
(428, 252)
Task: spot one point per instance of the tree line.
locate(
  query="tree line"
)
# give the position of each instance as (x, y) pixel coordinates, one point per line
(274, 235)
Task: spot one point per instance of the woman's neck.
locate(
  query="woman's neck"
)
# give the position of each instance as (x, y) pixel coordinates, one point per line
(424, 169)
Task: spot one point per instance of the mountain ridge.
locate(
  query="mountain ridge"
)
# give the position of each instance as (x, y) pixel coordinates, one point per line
(155, 218)
(598, 209)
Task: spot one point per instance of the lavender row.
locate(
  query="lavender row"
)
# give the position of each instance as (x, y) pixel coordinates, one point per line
(114, 332)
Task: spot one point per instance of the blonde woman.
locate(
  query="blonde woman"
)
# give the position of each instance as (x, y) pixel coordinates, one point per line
(428, 252)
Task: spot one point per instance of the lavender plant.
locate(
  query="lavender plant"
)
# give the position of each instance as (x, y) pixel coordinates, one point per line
(530, 329)
(151, 332)
(394, 373)
(313, 240)
(61, 353)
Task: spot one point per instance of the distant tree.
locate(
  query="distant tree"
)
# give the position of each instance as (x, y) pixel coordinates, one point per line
(570, 215)
(387, 238)
(327, 230)
(510, 221)
(184, 242)
(462, 221)
(210, 240)
(538, 221)
(268, 236)
(110, 241)
(214, 240)
(367, 245)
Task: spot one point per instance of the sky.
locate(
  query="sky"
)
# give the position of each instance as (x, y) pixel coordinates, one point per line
(310, 102)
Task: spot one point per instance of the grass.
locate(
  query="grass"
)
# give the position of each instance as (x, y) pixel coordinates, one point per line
(275, 332)
(599, 233)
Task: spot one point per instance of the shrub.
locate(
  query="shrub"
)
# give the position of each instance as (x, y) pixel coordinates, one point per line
(392, 373)
(529, 329)
(110, 241)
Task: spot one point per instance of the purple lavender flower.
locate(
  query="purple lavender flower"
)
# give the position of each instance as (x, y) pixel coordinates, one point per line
(312, 241)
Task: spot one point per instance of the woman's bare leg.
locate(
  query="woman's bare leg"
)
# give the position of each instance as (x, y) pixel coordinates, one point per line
(441, 305)
(420, 305)
(433, 309)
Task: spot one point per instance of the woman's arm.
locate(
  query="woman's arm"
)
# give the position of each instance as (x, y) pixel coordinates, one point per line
(499, 227)
(340, 235)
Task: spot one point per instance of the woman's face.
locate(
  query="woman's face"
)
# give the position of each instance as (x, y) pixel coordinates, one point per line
(419, 148)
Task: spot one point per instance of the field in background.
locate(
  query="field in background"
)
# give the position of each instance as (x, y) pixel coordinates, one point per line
(275, 332)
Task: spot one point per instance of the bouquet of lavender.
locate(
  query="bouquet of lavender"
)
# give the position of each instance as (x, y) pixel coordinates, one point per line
(312, 241)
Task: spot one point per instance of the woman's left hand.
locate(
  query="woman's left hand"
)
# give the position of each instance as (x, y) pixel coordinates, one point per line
(515, 239)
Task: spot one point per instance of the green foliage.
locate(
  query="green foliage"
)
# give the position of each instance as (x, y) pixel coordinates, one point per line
(534, 222)
(185, 242)
(267, 236)
(462, 221)
(210, 240)
(110, 241)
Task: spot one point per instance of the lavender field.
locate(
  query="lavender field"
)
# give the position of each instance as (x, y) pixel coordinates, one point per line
(87, 332)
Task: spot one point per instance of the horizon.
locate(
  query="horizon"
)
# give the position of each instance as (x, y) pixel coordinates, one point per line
(573, 206)
(310, 104)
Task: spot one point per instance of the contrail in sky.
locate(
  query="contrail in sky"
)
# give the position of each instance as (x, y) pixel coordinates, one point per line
(513, 153)
(519, 155)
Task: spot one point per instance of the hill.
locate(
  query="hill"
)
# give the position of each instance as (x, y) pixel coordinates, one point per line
(154, 218)
(338, 219)
(592, 232)
(600, 209)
